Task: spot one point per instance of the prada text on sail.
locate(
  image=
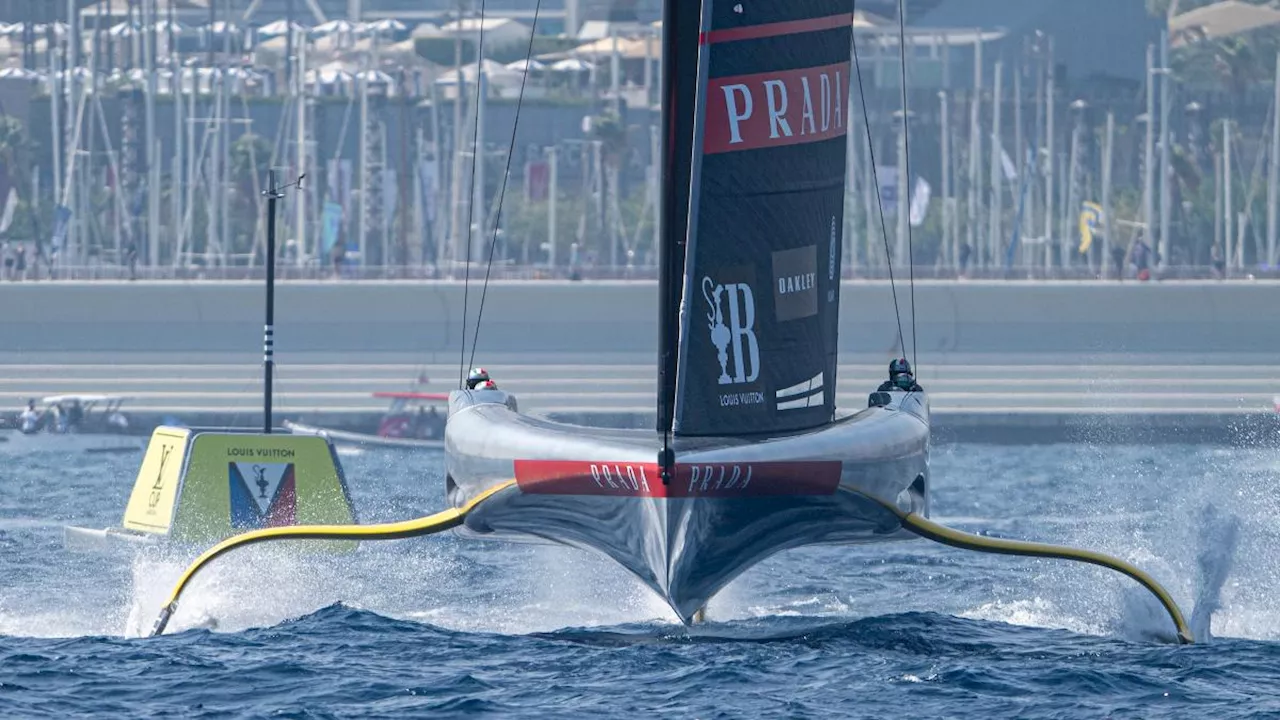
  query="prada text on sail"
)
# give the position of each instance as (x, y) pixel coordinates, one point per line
(749, 112)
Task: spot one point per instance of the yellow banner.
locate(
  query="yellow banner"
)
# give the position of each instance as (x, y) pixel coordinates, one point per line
(150, 507)
(245, 481)
(1090, 219)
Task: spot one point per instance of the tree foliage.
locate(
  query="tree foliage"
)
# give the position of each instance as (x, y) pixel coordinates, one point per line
(1235, 62)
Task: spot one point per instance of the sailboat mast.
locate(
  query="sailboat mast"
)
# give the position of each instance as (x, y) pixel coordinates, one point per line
(301, 148)
(455, 179)
(1107, 169)
(1148, 156)
(1273, 173)
(1166, 197)
(995, 229)
(152, 243)
(268, 334)
(680, 27)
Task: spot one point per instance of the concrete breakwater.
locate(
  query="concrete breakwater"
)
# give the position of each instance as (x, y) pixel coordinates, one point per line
(615, 322)
(1003, 361)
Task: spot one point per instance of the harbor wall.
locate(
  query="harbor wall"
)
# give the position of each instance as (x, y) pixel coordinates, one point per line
(615, 322)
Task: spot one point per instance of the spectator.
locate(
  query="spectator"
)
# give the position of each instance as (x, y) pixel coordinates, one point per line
(1118, 254)
(336, 256)
(131, 259)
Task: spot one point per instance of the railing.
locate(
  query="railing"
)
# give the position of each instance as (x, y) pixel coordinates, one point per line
(458, 272)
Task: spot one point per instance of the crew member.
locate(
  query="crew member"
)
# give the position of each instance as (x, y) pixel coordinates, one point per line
(29, 418)
(75, 414)
(477, 376)
(487, 385)
(900, 378)
(434, 424)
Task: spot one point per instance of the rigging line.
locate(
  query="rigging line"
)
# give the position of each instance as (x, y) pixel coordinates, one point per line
(875, 179)
(502, 194)
(471, 206)
(906, 152)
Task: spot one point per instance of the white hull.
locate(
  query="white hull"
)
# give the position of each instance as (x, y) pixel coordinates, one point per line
(342, 438)
(731, 503)
(14, 442)
(106, 540)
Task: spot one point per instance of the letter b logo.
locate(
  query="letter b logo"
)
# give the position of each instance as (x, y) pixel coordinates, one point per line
(733, 329)
(742, 323)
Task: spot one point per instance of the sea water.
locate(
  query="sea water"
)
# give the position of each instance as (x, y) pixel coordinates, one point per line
(441, 627)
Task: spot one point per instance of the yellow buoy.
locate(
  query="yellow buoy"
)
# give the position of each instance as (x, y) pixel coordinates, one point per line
(201, 486)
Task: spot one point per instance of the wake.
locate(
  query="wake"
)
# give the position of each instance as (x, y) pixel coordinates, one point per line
(1219, 538)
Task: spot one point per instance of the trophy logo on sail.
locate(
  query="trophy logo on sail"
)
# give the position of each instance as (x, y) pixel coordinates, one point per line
(733, 333)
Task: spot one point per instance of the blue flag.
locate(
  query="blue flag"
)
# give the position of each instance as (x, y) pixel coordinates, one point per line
(331, 223)
(61, 219)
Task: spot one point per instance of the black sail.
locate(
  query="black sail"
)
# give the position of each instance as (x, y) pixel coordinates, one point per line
(760, 306)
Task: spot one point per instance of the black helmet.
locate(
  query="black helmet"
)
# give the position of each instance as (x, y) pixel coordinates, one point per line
(477, 376)
(899, 366)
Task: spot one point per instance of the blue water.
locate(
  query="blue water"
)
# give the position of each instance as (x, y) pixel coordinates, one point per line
(442, 627)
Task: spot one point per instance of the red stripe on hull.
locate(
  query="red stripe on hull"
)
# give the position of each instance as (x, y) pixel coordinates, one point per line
(791, 27)
(709, 480)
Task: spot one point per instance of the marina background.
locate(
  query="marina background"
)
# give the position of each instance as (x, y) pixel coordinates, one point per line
(1134, 418)
(146, 158)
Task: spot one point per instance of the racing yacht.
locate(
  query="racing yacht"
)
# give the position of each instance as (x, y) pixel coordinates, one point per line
(750, 455)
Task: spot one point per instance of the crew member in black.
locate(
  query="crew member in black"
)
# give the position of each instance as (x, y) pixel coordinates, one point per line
(477, 376)
(900, 378)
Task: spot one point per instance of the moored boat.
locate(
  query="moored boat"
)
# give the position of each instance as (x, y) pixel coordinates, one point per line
(73, 423)
(412, 422)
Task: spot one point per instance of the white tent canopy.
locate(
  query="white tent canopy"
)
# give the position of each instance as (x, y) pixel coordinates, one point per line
(387, 26)
(123, 29)
(329, 74)
(630, 49)
(333, 27)
(495, 73)
(1222, 19)
(279, 28)
(523, 65)
(571, 65)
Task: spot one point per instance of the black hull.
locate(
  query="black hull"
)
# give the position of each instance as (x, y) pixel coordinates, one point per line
(731, 503)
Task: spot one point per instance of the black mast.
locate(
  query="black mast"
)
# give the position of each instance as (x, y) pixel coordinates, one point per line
(681, 23)
(273, 194)
(268, 331)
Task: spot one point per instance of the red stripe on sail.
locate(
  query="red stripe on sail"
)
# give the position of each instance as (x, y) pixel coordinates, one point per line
(284, 508)
(790, 27)
(709, 480)
(775, 109)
